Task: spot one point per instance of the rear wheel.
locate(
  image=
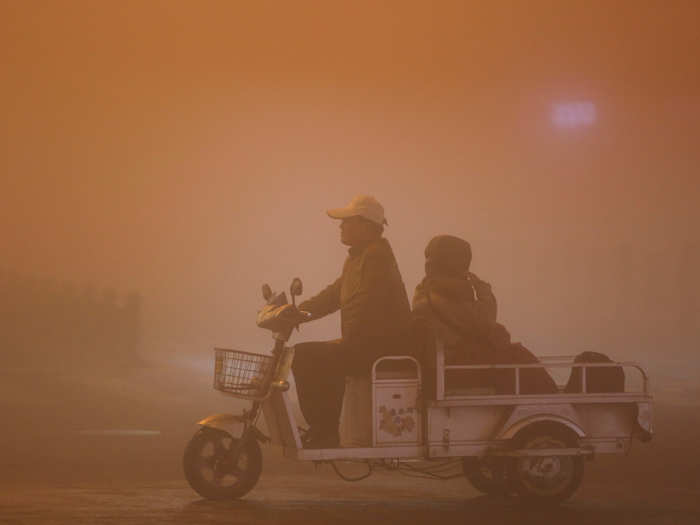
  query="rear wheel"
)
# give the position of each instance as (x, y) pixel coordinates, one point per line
(218, 466)
(487, 474)
(546, 479)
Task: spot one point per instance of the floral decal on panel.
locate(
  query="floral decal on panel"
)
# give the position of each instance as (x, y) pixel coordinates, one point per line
(396, 422)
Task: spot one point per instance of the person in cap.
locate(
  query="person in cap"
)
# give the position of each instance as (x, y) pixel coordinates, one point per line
(375, 320)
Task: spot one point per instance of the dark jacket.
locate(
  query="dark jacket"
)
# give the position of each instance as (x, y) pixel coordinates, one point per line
(462, 313)
(370, 295)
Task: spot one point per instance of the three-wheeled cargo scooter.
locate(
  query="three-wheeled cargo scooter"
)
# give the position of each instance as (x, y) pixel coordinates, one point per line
(533, 446)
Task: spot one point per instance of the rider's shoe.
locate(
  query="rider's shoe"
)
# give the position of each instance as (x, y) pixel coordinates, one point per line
(328, 439)
(304, 434)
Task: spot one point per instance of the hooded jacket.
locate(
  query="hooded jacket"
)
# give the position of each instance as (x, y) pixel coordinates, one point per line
(462, 312)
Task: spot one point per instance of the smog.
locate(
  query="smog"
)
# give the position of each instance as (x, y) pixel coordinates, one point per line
(161, 161)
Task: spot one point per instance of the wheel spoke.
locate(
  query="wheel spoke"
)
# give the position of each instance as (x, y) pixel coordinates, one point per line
(545, 475)
(219, 448)
(212, 470)
(224, 467)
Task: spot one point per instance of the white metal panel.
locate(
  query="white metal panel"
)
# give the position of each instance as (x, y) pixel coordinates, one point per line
(271, 425)
(397, 419)
(356, 415)
(608, 420)
(279, 419)
(448, 427)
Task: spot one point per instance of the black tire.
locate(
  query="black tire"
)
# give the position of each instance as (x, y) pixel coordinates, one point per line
(487, 475)
(551, 479)
(211, 471)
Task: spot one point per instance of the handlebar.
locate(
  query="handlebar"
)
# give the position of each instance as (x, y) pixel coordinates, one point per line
(281, 319)
(291, 314)
(278, 315)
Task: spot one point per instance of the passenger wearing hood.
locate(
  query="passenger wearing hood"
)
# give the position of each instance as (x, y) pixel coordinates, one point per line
(461, 310)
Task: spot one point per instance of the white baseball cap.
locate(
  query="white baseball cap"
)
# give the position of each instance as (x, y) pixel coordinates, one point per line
(362, 205)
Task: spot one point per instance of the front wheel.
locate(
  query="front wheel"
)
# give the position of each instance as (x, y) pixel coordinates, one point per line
(218, 466)
(546, 479)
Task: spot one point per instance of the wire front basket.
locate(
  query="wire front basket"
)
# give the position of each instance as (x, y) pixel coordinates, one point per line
(243, 374)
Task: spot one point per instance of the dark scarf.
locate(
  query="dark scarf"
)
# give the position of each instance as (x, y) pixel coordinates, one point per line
(446, 298)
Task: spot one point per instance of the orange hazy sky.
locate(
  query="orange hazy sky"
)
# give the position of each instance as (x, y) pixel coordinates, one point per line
(188, 150)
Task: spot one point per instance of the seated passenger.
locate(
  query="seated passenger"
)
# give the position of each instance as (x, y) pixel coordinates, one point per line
(461, 309)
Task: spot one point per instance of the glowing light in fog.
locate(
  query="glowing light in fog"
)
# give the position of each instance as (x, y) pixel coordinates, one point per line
(574, 114)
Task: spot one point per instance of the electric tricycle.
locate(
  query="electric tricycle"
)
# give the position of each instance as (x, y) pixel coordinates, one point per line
(530, 446)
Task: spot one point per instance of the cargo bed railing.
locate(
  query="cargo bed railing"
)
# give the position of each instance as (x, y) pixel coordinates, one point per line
(545, 362)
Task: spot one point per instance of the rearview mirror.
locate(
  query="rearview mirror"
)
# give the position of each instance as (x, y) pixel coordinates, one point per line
(296, 287)
(266, 291)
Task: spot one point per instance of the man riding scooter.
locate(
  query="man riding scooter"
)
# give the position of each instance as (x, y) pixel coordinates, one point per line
(374, 315)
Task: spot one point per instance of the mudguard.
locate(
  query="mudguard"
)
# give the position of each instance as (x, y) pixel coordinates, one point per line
(524, 416)
(229, 423)
(645, 422)
(513, 430)
(232, 425)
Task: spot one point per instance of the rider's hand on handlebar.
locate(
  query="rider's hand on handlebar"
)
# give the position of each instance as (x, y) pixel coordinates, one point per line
(293, 315)
(296, 316)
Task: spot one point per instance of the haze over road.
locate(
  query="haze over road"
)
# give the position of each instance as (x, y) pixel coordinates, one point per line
(137, 480)
(308, 498)
(160, 160)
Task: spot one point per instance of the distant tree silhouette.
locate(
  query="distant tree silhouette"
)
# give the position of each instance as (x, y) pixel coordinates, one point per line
(51, 326)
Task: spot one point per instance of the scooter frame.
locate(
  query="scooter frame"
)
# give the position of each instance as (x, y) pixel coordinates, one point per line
(467, 424)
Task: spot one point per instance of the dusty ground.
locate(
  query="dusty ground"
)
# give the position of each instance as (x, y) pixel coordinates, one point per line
(52, 471)
(137, 480)
(319, 500)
